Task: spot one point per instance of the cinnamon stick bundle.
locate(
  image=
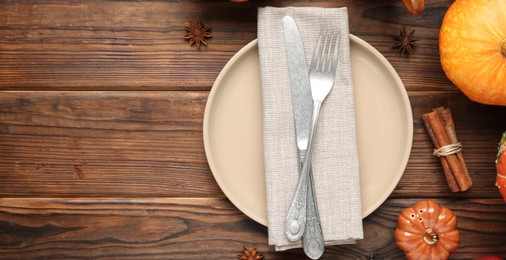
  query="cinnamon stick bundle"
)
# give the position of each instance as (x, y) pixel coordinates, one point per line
(441, 129)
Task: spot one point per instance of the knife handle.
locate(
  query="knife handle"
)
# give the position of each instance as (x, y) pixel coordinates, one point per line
(295, 221)
(312, 240)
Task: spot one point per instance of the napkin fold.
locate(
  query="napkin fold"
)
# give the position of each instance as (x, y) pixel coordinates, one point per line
(335, 158)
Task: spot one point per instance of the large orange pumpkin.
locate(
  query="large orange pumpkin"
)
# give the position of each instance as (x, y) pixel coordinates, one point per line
(427, 231)
(472, 46)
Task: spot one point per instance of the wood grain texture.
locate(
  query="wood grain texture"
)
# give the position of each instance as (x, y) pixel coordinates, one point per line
(101, 150)
(157, 228)
(150, 144)
(137, 45)
(103, 144)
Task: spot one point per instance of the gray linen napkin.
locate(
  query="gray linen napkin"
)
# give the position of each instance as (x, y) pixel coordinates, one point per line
(335, 158)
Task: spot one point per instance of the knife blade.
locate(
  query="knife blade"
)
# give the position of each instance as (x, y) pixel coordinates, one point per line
(299, 82)
(302, 218)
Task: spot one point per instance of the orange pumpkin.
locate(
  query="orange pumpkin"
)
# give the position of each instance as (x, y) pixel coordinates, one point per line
(472, 46)
(427, 231)
(500, 164)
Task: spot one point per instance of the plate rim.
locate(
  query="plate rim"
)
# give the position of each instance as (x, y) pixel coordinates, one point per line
(205, 130)
(254, 43)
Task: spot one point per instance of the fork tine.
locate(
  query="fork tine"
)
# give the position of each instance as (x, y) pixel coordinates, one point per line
(324, 54)
(328, 50)
(317, 53)
(333, 66)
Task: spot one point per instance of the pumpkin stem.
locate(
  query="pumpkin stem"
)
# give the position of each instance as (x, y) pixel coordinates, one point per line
(430, 236)
(503, 48)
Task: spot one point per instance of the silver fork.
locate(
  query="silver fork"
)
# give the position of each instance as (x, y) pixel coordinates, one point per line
(322, 74)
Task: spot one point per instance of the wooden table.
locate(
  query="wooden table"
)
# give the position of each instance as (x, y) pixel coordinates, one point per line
(101, 150)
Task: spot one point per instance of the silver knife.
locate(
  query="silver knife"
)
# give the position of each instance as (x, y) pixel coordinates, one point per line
(302, 219)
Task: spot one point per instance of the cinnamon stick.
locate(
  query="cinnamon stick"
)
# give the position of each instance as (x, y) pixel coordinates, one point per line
(452, 183)
(444, 134)
(446, 115)
(450, 179)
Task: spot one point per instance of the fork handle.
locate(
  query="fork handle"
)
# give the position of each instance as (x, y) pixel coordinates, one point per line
(295, 221)
(312, 240)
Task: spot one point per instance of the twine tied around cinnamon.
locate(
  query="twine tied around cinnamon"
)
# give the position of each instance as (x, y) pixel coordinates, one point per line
(441, 129)
(448, 150)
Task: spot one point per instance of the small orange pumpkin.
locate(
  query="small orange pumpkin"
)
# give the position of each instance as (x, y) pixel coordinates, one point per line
(500, 164)
(427, 231)
(472, 46)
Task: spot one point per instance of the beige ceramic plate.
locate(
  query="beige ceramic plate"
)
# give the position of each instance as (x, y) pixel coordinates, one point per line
(233, 129)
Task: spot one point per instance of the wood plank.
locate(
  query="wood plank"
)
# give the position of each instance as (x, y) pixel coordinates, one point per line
(73, 144)
(103, 144)
(114, 45)
(161, 228)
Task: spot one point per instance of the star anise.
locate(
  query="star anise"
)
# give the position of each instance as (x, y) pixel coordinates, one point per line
(254, 255)
(405, 42)
(196, 32)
